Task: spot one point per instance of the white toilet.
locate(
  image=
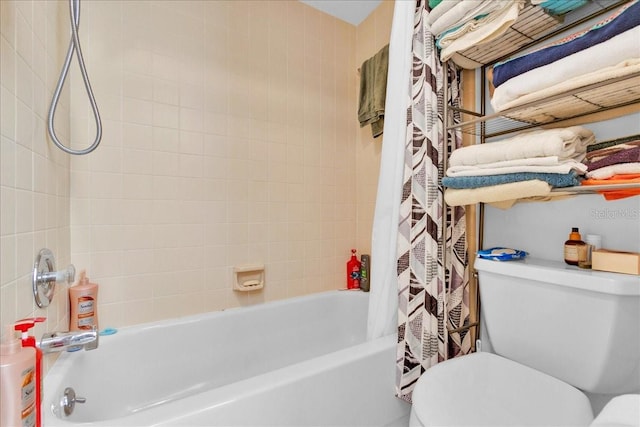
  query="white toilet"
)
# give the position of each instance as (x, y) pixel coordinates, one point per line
(555, 330)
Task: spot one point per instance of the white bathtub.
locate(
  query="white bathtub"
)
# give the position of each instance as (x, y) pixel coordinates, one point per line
(302, 361)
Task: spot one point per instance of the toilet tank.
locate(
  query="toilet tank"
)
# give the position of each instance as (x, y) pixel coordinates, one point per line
(580, 326)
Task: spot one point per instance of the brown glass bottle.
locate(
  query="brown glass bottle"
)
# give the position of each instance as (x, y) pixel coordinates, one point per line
(574, 247)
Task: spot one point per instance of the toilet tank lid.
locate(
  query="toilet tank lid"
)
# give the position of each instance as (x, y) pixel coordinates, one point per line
(560, 273)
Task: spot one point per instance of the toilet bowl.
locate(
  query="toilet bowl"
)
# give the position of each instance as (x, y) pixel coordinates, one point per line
(556, 332)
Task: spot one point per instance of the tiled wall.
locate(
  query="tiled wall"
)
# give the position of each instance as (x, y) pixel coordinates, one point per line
(230, 137)
(34, 183)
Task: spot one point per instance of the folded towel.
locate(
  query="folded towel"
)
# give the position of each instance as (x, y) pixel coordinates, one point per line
(623, 69)
(551, 197)
(612, 142)
(496, 193)
(440, 9)
(606, 54)
(623, 156)
(560, 7)
(564, 167)
(373, 91)
(609, 171)
(554, 179)
(598, 155)
(625, 18)
(528, 161)
(463, 12)
(617, 179)
(484, 33)
(532, 161)
(446, 38)
(609, 148)
(434, 3)
(565, 143)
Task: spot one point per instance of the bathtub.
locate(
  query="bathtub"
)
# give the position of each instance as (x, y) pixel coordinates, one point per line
(301, 361)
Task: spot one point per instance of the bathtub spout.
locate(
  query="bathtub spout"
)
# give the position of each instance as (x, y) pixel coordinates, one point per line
(73, 340)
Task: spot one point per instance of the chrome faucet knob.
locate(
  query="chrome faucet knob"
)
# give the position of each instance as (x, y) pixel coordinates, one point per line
(69, 400)
(45, 276)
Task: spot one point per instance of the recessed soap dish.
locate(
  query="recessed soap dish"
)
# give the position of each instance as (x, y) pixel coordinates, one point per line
(248, 277)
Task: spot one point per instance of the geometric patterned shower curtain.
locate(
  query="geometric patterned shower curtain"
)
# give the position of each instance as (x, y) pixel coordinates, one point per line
(433, 297)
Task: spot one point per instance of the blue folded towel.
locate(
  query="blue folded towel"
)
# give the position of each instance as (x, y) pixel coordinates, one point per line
(557, 180)
(625, 18)
(559, 7)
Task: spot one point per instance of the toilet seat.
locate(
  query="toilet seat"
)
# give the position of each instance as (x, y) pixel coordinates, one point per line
(486, 389)
(621, 411)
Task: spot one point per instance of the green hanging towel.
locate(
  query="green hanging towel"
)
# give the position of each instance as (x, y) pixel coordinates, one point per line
(373, 90)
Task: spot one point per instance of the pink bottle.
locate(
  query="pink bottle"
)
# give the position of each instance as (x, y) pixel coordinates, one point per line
(83, 299)
(30, 341)
(17, 383)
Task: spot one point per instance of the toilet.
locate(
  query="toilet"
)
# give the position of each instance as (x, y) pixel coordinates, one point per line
(556, 332)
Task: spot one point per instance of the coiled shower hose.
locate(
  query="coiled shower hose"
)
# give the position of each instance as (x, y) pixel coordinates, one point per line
(74, 45)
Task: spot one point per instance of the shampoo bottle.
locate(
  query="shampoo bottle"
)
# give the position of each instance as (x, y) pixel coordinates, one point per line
(353, 271)
(83, 299)
(365, 276)
(30, 341)
(17, 382)
(574, 248)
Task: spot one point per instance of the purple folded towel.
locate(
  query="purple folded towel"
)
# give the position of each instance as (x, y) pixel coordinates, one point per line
(630, 155)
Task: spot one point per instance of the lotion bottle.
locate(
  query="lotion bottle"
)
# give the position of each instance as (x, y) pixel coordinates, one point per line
(17, 382)
(30, 341)
(83, 299)
(574, 248)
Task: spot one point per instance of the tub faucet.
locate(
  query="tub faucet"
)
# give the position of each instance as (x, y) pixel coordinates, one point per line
(73, 340)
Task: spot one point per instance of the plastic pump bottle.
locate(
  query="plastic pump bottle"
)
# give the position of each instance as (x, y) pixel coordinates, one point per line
(30, 341)
(83, 299)
(17, 382)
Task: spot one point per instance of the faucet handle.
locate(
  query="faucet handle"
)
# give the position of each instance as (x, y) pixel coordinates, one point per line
(66, 275)
(45, 276)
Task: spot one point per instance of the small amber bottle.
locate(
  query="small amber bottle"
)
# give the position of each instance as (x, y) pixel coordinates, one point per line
(574, 247)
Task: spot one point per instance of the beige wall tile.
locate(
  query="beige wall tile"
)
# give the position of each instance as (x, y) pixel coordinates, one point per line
(224, 143)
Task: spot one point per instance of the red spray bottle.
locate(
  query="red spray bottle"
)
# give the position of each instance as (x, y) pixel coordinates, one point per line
(30, 341)
(353, 271)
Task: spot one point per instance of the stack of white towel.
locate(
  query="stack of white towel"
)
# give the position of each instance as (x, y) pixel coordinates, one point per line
(526, 165)
(606, 50)
(458, 25)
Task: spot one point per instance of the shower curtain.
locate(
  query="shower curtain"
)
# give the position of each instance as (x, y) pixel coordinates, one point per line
(383, 298)
(430, 297)
(433, 278)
